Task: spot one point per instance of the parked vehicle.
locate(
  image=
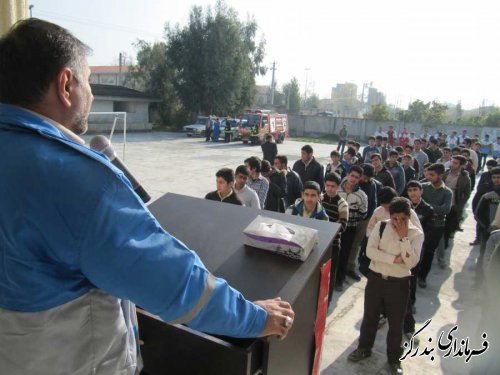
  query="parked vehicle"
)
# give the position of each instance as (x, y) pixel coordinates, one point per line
(256, 123)
(198, 129)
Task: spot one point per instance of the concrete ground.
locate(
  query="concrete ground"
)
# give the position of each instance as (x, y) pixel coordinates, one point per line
(172, 162)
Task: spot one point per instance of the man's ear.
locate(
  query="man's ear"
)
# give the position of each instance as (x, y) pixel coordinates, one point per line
(64, 85)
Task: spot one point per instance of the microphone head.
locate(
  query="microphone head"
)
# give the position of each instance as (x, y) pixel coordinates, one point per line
(102, 144)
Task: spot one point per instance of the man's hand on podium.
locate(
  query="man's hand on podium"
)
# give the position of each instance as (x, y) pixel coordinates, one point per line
(279, 317)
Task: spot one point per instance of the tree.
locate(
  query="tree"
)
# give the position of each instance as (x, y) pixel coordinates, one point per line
(312, 101)
(214, 60)
(425, 113)
(493, 118)
(153, 76)
(377, 112)
(291, 90)
(459, 111)
(436, 113)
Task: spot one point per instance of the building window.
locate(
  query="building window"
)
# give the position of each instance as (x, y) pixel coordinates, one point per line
(128, 107)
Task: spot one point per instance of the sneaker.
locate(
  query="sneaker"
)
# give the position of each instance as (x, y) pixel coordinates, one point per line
(353, 275)
(359, 355)
(395, 368)
(422, 283)
(407, 336)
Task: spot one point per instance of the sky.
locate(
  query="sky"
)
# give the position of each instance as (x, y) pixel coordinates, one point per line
(445, 50)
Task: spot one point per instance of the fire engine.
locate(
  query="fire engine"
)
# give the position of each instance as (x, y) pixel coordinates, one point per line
(256, 123)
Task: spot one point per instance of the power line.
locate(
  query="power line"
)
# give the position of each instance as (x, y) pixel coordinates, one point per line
(89, 22)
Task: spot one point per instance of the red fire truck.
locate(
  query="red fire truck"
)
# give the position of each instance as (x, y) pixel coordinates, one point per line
(256, 123)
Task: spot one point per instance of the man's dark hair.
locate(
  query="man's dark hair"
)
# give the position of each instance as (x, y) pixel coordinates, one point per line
(371, 137)
(409, 146)
(313, 185)
(226, 173)
(393, 153)
(460, 158)
(456, 149)
(354, 143)
(242, 169)
(357, 169)
(406, 156)
(491, 163)
(436, 167)
(358, 145)
(468, 141)
(282, 158)
(414, 183)
(333, 177)
(434, 141)
(368, 170)
(307, 149)
(386, 194)
(400, 205)
(351, 152)
(418, 140)
(446, 149)
(335, 153)
(384, 138)
(32, 53)
(265, 166)
(398, 149)
(269, 137)
(254, 163)
(376, 155)
(465, 150)
(378, 138)
(495, 170)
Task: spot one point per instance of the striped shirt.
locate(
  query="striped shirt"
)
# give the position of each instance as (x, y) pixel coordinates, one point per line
(260, 186)
(338, 212)
(357, 202)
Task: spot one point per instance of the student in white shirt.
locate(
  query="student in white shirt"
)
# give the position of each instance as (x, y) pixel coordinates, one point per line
(394, 250)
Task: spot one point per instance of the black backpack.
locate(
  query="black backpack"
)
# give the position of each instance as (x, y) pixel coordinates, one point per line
(363, 260)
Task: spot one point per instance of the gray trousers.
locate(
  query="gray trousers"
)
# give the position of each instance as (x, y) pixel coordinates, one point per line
(358, 238)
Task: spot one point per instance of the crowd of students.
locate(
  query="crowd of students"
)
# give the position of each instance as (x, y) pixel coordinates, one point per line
(389, 200)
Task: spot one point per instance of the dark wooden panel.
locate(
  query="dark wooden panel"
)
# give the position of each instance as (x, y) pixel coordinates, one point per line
(214, 231)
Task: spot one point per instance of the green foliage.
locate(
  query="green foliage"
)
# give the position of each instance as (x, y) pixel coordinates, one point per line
(377, 112)
(493, 119)
(214, 60)
(312, 102)
(291, 90)
(426, 113)
(153, 76)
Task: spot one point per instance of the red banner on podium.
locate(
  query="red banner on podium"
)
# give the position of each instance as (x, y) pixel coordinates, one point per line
(320, 324)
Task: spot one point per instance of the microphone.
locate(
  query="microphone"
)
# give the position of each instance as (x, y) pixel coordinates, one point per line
(102, 144)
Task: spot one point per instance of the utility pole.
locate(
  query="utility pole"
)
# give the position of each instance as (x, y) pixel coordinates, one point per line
(305, 88)
(119, 71)
(31, 12)
(272, 84)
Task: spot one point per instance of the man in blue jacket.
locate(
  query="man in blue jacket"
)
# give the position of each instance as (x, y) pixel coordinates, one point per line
(74, 235)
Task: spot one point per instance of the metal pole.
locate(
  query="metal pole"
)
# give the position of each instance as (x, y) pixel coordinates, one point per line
(305, 88)
(30, 8)
(272, 84)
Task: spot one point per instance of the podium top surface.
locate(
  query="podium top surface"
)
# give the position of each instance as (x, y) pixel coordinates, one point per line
(214, 230)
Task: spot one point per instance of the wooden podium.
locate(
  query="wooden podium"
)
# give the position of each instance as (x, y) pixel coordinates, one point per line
(215, 231)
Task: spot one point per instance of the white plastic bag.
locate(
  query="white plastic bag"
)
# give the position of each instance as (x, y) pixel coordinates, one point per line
(291, 240)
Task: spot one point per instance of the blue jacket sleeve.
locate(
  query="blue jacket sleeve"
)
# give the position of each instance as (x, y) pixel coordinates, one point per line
(126, 253)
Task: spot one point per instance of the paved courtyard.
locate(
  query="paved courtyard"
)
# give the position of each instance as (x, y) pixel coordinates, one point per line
(172, 162)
